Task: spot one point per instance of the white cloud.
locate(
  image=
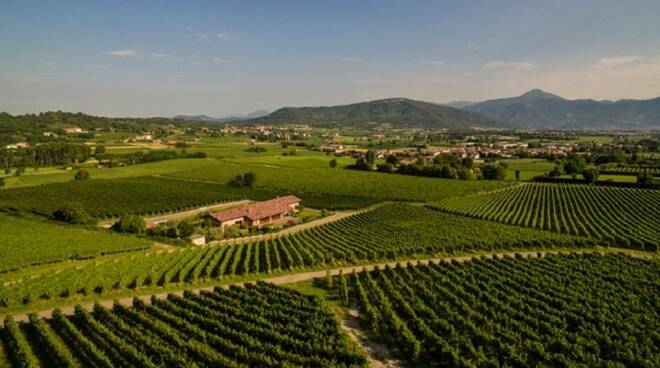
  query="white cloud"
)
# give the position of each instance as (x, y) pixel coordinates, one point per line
(224, 36)
(616, 61)
(156, 55)
(197, 63)
(472, 47)
(123, 53)
(218, 60)
(519, 66)
(48, 64)
(201, 36)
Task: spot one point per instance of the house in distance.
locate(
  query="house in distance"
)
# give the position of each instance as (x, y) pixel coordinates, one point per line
(257, 214)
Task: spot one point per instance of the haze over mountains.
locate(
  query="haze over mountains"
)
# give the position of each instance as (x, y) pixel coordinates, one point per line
(540, 109)
(222, 119)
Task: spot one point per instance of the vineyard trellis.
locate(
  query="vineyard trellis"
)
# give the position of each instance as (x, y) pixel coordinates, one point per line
(387, 232)
(520, 312)
(260, 325)
(617, 216)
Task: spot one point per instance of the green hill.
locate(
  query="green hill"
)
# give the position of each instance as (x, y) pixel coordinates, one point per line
(400, 112)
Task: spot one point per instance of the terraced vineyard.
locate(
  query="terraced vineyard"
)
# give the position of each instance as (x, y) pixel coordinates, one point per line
(386, 233)
(257, 326)
(619, 216)
(571, 310)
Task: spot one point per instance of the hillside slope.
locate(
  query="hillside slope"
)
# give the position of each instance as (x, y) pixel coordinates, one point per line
(539, 109)
(400, 112)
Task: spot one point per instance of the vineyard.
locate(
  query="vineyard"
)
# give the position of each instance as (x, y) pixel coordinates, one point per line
(377, 187)
(110, 198)
(257, 326)
(619, 216)
(631, 170)
(19, 247)
(587, 310)
(388, 232)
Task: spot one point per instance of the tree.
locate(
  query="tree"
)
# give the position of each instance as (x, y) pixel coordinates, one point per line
(249, 179)
(185, 229)
(590, 174)
(100, 150)
(2, 182)
(493, 172)
(645, 178)
(518, 175)
(574, 165)
(392, 160)
(72, 213)
(555, 172)
(82, 174)
(333, 163)
(371, 157)
(129, 224)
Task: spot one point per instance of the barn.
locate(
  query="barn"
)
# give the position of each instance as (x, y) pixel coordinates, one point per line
(259, 213)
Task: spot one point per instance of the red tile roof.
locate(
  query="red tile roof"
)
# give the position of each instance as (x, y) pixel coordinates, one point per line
(258, 210)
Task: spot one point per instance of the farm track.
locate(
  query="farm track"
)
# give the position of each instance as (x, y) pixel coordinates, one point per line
(285, 279)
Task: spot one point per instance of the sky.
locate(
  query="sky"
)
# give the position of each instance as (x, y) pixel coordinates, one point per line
(163, 58)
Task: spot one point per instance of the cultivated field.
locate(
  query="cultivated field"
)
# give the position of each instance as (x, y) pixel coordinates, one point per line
(514, 312)
(618, 216)
(389, 232)
(27, 240)
(256, 326)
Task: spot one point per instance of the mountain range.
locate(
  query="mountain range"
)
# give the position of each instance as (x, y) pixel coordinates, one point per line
(399, 112)
(540, 109)
(222, 119)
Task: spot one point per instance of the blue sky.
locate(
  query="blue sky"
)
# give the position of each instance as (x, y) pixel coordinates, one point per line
(161, 58)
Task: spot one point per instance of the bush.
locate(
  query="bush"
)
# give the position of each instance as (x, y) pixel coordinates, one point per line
(2, 182)
(82, 175)
(129, 224)
(72, 213)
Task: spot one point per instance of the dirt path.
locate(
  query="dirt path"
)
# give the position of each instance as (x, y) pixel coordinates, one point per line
(279, 280)
(179, 215)
(378, 355)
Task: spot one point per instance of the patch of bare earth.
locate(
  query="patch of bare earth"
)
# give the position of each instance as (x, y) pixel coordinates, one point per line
(378, 354)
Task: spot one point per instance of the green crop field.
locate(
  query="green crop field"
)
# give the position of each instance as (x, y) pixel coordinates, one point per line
(54, 175)
(529, 168)
(27, 241)
(257, 326)
(326, 181)
(627, 217)
(388, 232)
(586, 310)
(101, 198)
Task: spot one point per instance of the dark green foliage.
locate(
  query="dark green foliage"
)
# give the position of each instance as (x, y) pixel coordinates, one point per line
(494, 172)
(129, 224)
(72, 213)
(590, 175)
(558, 310)
(82, 174)
(332, 163)
(47, 154)
(243, 180)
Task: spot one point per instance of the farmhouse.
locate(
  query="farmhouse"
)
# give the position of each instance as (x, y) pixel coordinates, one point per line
(258, 213)
(73, 130)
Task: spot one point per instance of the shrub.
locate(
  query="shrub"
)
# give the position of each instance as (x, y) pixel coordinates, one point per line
(72, 213)
(129, 224)
(82, 175)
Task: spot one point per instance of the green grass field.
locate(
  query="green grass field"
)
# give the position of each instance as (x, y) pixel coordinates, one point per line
(26, 241)
(529, 168)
